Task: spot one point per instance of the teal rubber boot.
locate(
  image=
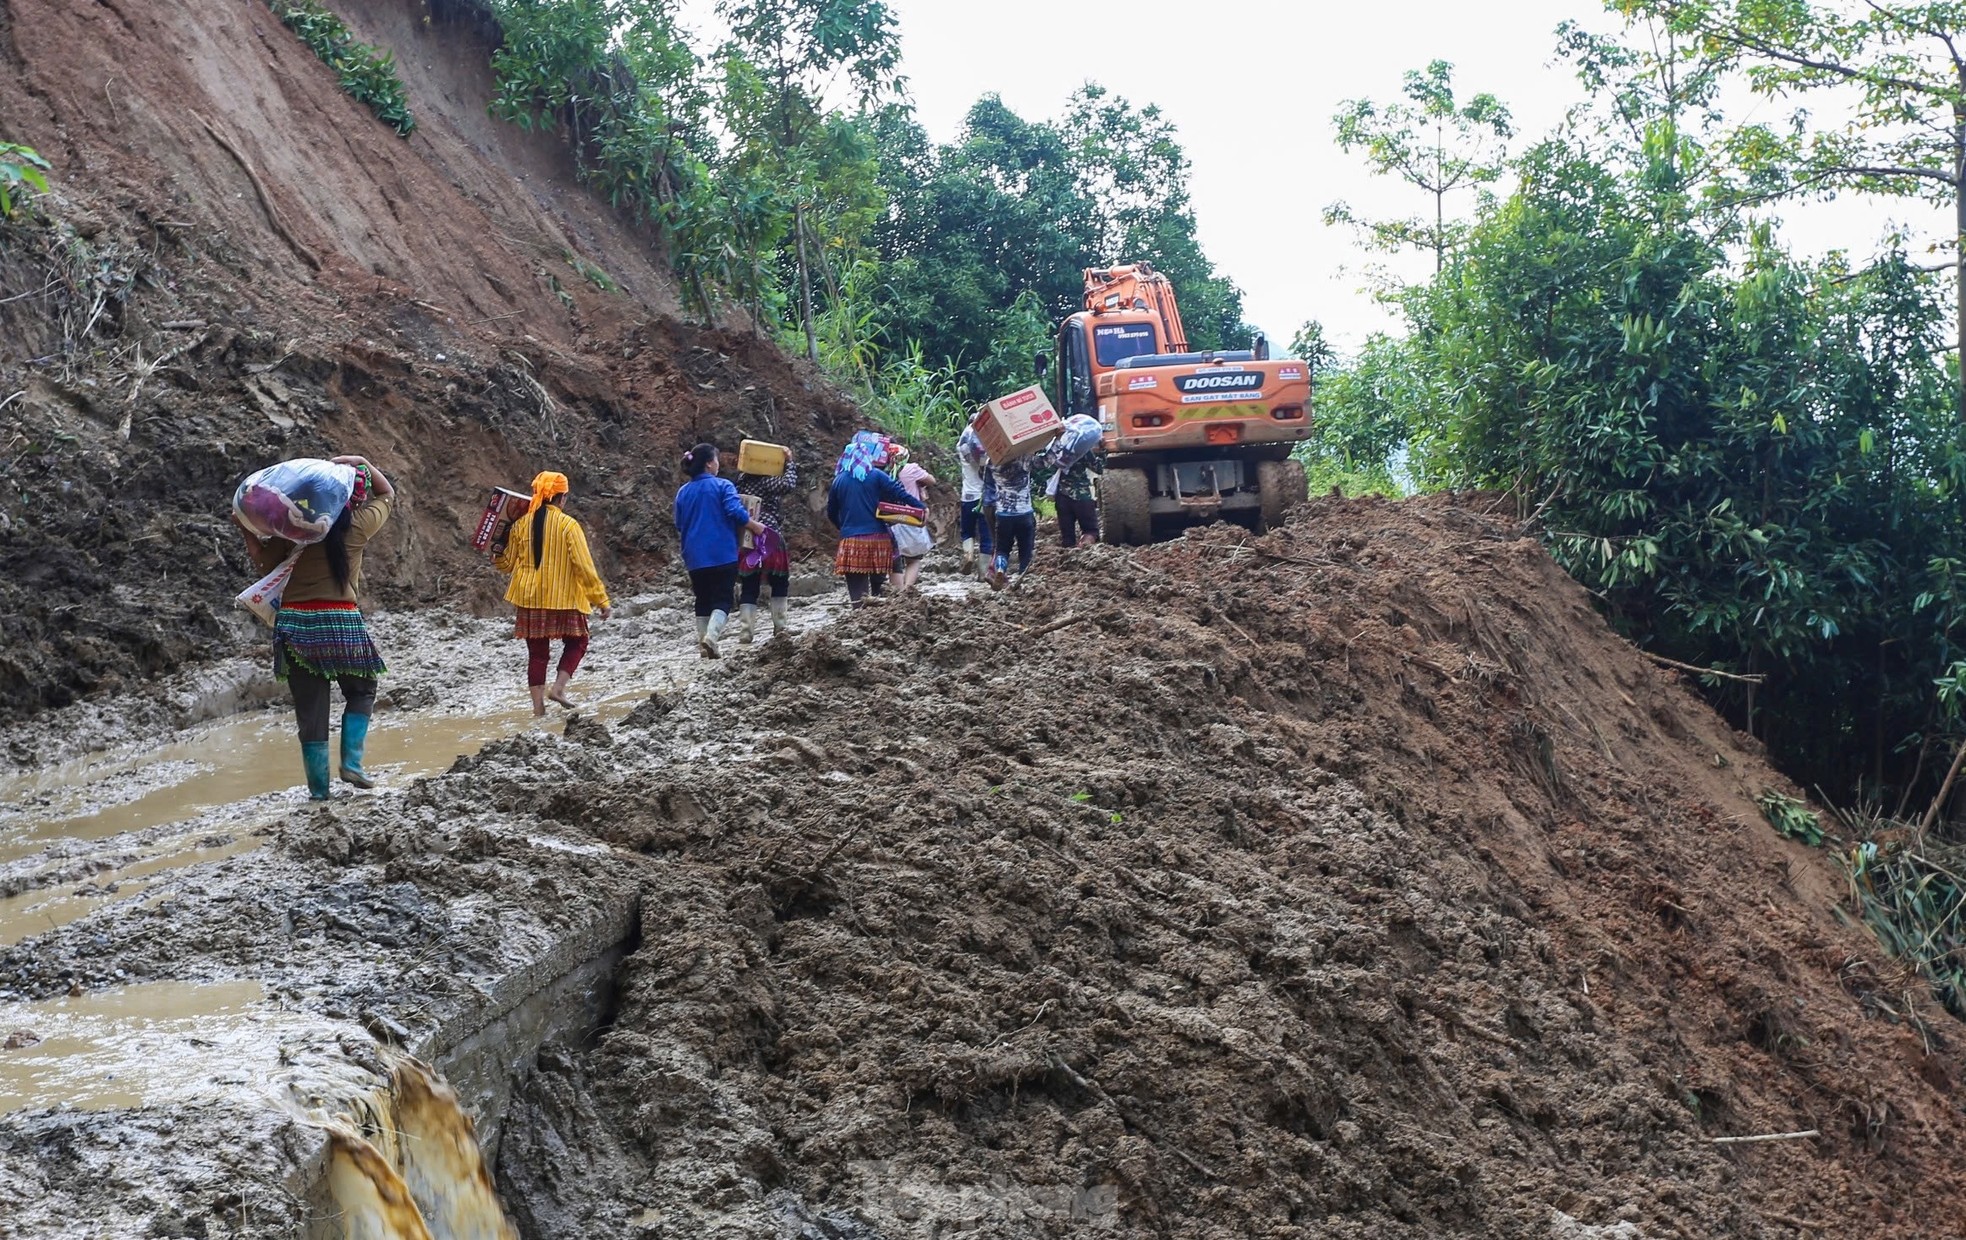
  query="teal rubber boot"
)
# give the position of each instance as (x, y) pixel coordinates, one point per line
(314, 756)
(354, 738)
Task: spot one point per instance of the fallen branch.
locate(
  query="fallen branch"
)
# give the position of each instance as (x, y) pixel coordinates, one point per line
(1945, 790)
(265, 198)
(1766, 1136)
(1065, 621)
(1751, 678)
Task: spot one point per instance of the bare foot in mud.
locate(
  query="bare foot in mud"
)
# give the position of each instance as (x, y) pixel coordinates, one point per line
(560, 697)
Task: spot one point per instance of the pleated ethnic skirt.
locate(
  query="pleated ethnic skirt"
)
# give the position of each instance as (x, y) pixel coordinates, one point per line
(534, 623)
(864, 555)
(329, 639)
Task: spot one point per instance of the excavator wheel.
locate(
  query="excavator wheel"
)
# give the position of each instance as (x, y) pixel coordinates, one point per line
(1123, 514)
(1281, 485)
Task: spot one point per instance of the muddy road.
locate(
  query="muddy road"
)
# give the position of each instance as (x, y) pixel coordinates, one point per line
(1349, 881)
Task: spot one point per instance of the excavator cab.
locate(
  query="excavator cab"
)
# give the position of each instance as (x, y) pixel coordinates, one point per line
(1191, 436)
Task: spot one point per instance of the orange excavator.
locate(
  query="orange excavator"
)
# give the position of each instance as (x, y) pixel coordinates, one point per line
(1191, 437)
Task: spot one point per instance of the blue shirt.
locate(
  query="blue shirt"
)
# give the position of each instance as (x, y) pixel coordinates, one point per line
(851, 503)
(709, 514)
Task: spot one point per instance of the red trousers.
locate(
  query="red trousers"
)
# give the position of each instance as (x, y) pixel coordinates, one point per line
(540, 649)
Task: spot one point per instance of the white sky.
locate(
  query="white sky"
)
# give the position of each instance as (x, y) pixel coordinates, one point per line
(1251, 86)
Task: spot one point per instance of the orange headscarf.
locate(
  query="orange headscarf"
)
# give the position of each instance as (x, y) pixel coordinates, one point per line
(545, 485)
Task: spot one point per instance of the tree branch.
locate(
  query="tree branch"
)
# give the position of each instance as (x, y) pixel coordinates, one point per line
(1856, 170)
(1746, 43)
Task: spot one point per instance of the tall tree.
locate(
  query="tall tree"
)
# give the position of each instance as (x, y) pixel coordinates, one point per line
(784, 59)
(1900, 69)
(1431, 142)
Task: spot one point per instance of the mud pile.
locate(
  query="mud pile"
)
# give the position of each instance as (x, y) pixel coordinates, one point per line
(1349, 882)
(240, 264)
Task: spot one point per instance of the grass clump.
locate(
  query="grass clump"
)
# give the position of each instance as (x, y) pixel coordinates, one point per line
(367, 73)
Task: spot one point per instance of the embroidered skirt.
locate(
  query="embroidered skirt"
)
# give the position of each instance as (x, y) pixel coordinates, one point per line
(329, 639)
(864, 555)
(533, 623)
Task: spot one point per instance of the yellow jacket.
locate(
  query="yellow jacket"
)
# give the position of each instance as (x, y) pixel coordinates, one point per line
(565, 579)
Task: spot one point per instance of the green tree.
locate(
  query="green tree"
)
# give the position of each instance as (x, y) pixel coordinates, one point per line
(1432, 142)
(783, 58)
(1900, 69)
(1747, 463)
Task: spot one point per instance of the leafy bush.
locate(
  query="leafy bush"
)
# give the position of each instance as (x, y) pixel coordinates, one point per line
(367, 73)
(20, 167)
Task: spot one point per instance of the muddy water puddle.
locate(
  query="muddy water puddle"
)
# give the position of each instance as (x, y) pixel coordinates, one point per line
(103, 829)
(154, 1044)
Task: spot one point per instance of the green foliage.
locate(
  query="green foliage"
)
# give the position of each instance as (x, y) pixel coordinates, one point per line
(21, 169)
(1892, 75)
(1433, 143)
(367, 73)
(1751, 462)
(1791, 818)
(1908, 891)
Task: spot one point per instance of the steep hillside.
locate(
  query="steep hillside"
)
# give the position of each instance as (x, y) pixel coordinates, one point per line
(241, 264)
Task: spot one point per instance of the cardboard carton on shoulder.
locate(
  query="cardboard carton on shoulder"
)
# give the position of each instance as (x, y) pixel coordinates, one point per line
(1017, 425)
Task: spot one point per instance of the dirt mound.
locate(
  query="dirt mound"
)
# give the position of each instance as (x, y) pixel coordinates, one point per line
(240, 264)
(1337, 883)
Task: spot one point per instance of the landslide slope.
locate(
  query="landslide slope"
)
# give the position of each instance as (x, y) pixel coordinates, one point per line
(240, 264)
(1353, 881)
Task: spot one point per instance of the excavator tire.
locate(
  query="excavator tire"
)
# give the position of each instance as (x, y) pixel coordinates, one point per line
(1123, 514)
(1281, 485)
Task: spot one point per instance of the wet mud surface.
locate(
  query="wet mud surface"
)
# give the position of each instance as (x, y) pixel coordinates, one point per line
(1349, 882)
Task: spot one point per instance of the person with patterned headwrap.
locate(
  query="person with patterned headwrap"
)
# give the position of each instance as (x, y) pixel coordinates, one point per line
(319, 636)
(860, 486)
(554, 586)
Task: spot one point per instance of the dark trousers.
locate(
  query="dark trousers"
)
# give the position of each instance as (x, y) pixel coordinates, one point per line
(860, 585)
(539, 651)
(1021, 533)
(1082, 513)
(714, 587)
(750, 584)
(311, 694)
(976, 525)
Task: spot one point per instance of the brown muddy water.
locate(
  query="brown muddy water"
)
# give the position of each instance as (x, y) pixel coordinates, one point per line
(98, 829)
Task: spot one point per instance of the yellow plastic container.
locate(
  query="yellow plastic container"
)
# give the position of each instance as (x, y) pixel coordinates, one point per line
(754, 456)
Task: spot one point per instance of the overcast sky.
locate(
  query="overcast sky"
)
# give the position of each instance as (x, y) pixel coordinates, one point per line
(1251, 87)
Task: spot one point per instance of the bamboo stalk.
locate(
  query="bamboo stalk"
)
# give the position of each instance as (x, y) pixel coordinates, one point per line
(1752, 679)
(1766, 1136)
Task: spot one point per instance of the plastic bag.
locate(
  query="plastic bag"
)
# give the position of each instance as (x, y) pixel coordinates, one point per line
(296, 500)
(911, 541)
(1051, 488)
(262, 597)
(1080, 436)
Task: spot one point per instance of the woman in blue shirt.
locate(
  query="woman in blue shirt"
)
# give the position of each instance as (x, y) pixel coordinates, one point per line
(860, 487)
(709, 516)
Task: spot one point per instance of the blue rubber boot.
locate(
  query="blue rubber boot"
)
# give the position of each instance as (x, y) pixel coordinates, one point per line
(314, 756)
(354, 736)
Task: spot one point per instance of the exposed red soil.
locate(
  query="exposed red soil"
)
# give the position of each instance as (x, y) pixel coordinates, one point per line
(241, 264)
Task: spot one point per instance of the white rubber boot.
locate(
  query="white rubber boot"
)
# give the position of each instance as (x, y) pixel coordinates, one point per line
(780, 626)
(707, 644)
(747, 623)
(969, 554)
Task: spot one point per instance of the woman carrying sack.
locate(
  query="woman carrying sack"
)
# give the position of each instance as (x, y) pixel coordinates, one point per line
(554, 586)
(319, 636)
(911, 542)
